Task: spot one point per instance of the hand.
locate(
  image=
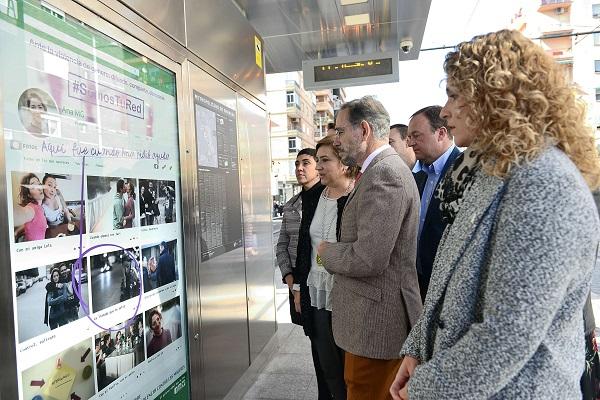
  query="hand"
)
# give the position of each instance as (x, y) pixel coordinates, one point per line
(297, 301)
(289, 280)
(404, 393)
(321, 248)
(399, 390)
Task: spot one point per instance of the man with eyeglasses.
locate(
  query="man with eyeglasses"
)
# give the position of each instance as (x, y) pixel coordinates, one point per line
(375, 297)
(431, 140)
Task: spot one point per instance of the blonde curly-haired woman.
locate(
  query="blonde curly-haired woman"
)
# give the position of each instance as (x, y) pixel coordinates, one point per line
(503, 318)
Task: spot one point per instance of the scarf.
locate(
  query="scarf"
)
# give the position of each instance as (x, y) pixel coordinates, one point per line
(455, 183)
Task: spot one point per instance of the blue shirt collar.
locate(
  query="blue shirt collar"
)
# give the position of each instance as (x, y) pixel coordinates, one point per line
(438, 165)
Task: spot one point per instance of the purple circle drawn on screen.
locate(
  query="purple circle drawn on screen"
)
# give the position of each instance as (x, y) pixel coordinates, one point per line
(76, 283)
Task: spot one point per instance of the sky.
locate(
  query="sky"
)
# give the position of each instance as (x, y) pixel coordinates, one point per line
(422, 81)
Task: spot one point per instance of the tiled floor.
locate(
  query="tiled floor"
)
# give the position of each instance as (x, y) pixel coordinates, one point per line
(289, 374)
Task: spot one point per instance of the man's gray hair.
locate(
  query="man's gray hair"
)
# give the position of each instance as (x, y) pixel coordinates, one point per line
(369, 109)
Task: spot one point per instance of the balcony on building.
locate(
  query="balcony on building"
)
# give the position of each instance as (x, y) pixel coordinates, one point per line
(324, 101)
(558, 43)
(295, 129)
(293, 98)
(562, 56)
(294, 124)
(558, 6)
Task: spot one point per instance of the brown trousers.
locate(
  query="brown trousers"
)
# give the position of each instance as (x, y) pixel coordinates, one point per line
(369, 378)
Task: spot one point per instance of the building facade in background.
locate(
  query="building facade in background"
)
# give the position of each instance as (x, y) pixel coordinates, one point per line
(553, 23)
(298, 119)
(292, 123)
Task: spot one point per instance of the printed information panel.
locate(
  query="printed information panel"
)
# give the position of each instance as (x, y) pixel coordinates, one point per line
(92, 176)
(218, 176)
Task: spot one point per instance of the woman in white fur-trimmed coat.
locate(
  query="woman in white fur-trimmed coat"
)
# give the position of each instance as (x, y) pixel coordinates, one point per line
(503, 317)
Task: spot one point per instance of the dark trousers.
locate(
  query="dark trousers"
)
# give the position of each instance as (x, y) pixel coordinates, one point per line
(321, 383)
(329, 357)
(423, 284)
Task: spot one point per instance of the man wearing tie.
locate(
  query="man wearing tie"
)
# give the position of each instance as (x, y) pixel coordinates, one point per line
(431, 140)
(375, 299)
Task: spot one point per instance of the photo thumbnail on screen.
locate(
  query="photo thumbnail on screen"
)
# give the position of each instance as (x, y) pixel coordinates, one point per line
(46, 298)
(115, 277)
(119, 350)
(112, 203)
(46, 205)
(38, 113)
(157, 202)
(163, 326)
(58, 377)
(159, 265)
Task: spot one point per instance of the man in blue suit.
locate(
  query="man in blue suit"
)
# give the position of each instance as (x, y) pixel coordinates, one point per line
(431, 140)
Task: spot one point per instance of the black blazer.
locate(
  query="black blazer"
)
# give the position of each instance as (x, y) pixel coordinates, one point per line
(310, 200)
(433, 227)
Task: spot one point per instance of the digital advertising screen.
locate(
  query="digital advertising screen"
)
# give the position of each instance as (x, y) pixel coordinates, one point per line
(94, 201)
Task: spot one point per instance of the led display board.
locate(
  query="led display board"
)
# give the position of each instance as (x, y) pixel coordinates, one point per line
(350, 71)
(358, 69)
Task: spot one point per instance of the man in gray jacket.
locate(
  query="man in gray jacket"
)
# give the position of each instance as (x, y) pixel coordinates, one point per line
(375, 298)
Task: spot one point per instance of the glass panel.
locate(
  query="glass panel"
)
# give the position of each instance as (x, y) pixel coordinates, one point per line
(597, 65)
(92, 171)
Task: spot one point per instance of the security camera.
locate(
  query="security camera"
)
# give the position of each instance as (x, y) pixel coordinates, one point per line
(406, 45)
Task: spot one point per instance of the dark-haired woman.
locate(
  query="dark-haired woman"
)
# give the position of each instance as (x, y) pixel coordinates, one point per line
(56, 296)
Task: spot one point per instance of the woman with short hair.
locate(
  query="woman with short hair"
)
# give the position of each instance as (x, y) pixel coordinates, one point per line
(321, 216)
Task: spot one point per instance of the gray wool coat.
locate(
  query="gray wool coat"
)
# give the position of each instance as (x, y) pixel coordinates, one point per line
(287, 243)
(503, 315)
(375, 296)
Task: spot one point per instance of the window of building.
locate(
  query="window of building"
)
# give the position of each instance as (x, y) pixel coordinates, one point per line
(597, 94)
(597, 65)
(291, 98)
(596, 39)
(292, 144)
(596, 10)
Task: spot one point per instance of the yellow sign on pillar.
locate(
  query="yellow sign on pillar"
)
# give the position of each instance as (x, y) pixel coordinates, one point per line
(258, 51)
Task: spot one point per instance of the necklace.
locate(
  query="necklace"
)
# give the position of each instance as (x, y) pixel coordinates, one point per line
(348, 190)
(328, 220)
